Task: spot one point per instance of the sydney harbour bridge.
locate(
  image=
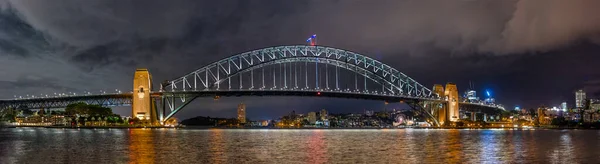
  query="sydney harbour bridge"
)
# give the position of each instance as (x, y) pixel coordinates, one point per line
(297, 70)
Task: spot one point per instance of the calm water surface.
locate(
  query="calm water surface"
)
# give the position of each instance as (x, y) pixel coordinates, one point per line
(40, 145)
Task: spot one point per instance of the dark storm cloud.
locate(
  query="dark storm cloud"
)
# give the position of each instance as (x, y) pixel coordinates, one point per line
(96, 44)
(18, 38)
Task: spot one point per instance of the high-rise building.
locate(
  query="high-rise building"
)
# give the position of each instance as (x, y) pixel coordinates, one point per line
(451, 93)
(563, 106)
(312, 117)
(323, 114)
(580, 99)
(241, 111)
(471, 95)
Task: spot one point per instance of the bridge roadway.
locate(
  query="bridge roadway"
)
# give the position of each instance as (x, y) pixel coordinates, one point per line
(125, 99)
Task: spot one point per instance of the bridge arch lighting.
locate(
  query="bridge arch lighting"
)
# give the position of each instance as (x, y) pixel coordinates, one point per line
(288, 73)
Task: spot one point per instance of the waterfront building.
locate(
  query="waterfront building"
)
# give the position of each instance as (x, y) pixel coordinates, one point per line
(591, 116)
(369, 113)
(542, 118)
(580, 99)
(595, 106)
(241, 111)
(312, 117)
(323, 114)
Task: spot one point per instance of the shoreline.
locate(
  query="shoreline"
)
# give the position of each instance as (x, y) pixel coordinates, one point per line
(92, 127)
(302, 128)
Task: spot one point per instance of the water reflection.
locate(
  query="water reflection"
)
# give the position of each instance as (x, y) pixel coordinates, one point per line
(564, 152)
(317, 149)
(216, 153)
(453, 146)
(297, 146)
(141, 146)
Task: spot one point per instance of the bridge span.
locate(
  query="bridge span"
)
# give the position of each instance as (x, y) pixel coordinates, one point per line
(298, 70)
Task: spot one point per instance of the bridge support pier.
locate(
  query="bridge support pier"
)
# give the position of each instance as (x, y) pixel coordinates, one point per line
(143, 106)
(451, 94)
(422, 107)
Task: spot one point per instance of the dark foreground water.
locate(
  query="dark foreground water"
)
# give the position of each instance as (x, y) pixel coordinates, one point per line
(39, 145)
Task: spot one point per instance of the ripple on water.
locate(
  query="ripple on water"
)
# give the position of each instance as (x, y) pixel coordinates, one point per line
(39, 145)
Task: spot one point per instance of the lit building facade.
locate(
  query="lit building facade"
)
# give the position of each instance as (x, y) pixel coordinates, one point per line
(323, 114)
(312, 117)
(451, 93)
(580, 99)
(471, 95)
(241, 113)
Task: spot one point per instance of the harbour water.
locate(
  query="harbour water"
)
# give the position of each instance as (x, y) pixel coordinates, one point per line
(45, 145)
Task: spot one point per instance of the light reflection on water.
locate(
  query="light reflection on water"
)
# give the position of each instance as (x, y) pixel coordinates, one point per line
(39, 145)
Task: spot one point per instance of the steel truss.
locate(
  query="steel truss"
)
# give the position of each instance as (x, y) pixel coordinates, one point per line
(288, 69)
(211, 76)
(62, 102)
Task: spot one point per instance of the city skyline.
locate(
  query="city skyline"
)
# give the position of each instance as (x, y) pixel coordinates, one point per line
(300, 81)
(543, 68)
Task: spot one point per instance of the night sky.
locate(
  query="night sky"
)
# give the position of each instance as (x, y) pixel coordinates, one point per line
(527, 52)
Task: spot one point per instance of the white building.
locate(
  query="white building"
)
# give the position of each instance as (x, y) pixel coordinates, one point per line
(580, 99)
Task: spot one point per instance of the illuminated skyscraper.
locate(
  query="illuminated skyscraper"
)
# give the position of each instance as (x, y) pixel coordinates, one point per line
(451, 93)
(471, 95)
(580, 99)
(241, 111)
(563, 105)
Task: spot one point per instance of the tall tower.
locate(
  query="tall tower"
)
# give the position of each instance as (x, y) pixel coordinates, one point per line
(241, 111)
(580, 99)
(441, 109)
(143, 105)
(451, 94)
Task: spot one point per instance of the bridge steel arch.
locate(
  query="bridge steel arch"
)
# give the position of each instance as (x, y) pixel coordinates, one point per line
(207, 80)
(201, 79)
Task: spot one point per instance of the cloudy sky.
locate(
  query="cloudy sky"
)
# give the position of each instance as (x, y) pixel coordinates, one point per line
(528, 52)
